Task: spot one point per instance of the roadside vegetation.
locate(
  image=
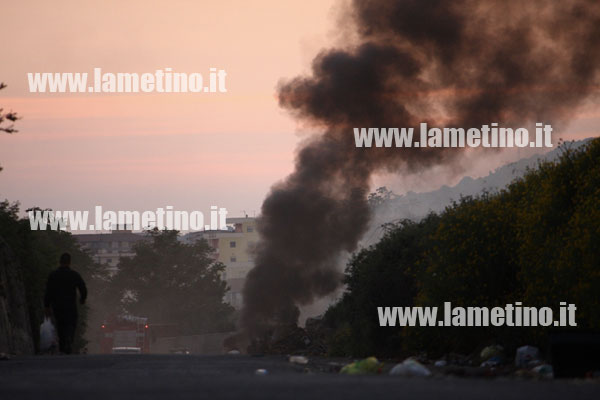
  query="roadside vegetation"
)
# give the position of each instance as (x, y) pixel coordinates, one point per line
(537, 242)
(37, 253)
(171, 282)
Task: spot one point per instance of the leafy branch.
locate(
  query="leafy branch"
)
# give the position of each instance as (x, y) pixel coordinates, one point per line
(9, 117)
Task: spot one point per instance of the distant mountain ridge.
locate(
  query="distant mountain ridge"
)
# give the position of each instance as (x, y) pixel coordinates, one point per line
(417, 205)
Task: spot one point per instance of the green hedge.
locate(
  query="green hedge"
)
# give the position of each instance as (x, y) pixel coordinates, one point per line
(538, 241)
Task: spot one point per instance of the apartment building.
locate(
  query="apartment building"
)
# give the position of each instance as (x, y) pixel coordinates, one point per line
(108, 248)
(232, 247)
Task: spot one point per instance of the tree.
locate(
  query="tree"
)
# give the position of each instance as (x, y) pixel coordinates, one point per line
(38, 252)
(10, 116)
(7, 116)
(384, 274)
(172, 282)
(380, 196)
(537, 241)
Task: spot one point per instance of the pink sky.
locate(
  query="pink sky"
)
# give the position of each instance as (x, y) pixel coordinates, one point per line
(142, 151)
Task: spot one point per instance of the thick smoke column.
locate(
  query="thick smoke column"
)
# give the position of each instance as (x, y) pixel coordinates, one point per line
(448, 63)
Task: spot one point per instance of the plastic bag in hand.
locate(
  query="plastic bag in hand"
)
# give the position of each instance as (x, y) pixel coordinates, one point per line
(47, 335)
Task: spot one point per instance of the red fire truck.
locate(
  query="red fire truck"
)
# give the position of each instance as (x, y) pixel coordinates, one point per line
(125, 334)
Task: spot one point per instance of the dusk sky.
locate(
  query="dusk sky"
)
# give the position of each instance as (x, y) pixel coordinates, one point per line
(189, 150)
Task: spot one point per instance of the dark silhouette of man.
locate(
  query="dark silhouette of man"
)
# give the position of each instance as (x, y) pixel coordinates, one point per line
(60, 301)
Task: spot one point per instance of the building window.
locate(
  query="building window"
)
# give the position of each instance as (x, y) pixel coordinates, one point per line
(250, 229)
(232, 244)
(232, 259)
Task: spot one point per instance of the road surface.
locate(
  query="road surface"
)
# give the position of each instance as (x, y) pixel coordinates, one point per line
(115, 377)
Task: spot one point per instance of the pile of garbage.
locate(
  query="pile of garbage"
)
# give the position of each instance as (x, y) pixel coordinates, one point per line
(528, 362)
(292, 339)
(490, 362)
(370, 365)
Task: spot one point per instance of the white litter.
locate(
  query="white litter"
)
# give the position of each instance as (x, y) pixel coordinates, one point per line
(299, 360)
(410, 367)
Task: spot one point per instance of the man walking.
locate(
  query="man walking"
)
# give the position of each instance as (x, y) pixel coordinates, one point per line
(60, 300)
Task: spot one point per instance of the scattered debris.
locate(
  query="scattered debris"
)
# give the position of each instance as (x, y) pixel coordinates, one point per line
(492, 362)
(261, 371)
(291, 339)
(237, 341)
(299, 360)
(233, 352)
(459, 359)
(526, 356)
(370, 365)
(491, 351)
(544, 371)
(410, 367)
(283, 340)
(333, 366)
(180, 350)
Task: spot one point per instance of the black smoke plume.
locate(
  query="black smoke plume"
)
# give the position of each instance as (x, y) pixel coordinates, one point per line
(449, 63)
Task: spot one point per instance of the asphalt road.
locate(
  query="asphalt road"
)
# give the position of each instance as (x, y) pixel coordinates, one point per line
(115, 377)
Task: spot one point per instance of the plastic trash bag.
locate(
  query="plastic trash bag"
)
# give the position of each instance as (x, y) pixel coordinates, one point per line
(410, 367)
(526, 355)
(369, 365)
(492, 362)
(261, 371)
(491, 351)
(544, 371)
(298, 360)
(47, 335)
